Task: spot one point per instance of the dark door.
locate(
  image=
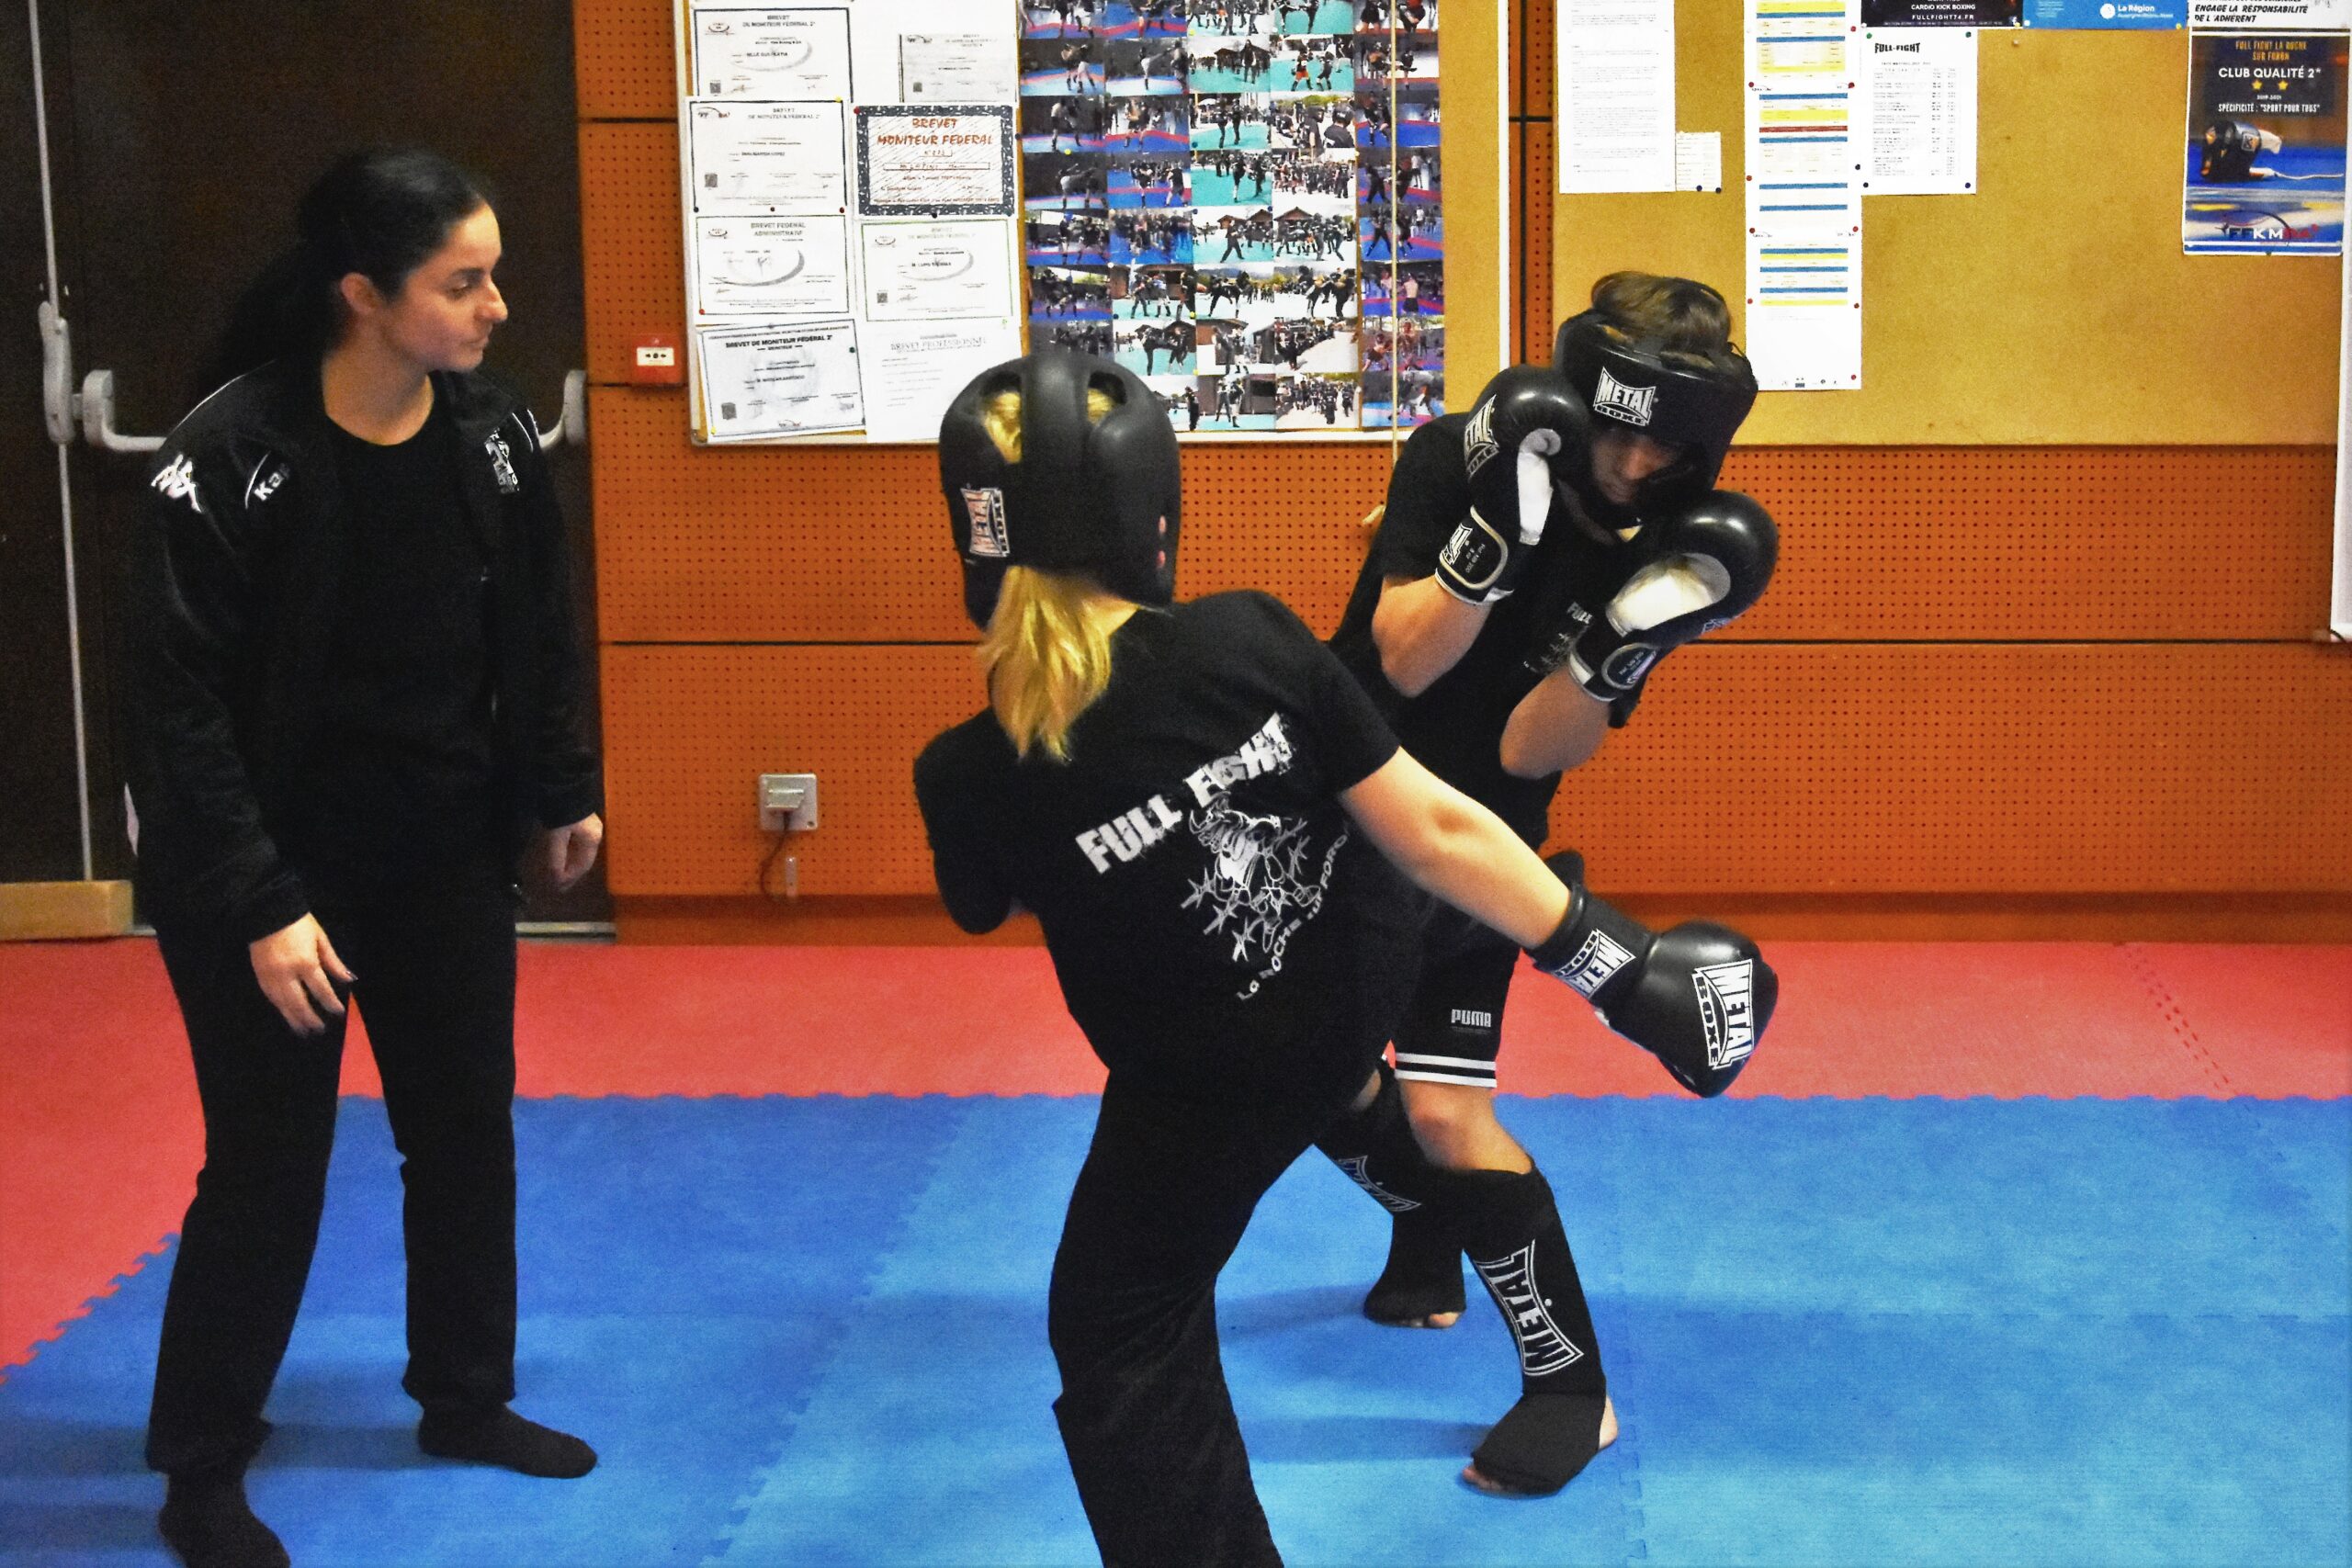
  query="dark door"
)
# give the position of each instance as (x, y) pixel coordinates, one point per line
(182, 136)
(40, 833)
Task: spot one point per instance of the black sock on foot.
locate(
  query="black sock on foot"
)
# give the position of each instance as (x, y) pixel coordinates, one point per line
(510, 1441)
(1376, 1148)
(1424, 1272)
(208, 1522)
(1542, 1442)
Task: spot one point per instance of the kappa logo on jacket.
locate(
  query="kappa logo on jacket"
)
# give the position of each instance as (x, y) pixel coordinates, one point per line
(178, 482)
(502, 464)
(265, 480)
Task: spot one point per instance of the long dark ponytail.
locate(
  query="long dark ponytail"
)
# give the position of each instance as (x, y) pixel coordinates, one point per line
(379, 213)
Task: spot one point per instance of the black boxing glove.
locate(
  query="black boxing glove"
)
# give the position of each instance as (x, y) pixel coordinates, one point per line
(1696, 997)
(1690, 574)
(1527, 424)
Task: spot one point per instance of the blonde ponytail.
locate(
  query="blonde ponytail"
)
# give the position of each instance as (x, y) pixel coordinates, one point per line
(1048, 652)
(1047, 656)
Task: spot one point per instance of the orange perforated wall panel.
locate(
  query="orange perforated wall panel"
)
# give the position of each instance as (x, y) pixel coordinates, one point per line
(2050, 672)
(1854, 768)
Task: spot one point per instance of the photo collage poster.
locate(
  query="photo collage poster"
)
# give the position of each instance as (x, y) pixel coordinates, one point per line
(1240, 200)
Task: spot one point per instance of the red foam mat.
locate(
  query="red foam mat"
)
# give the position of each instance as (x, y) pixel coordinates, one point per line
(2003, 1019)
(99, 1138)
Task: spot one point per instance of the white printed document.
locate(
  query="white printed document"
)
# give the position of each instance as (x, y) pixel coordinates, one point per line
(930, 271)
(765, 380)
(1922, 87)
(1616, 96)
(771, 53)
(768, 158)
(959, 67)
(913, 370)
(771, 266)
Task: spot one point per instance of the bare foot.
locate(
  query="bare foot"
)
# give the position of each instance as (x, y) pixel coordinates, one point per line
(1494, 1488)
(1434, 1320)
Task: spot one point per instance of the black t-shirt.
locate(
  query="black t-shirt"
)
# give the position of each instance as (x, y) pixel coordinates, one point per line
(1206, 897)
(404, 773)
(1454, 728)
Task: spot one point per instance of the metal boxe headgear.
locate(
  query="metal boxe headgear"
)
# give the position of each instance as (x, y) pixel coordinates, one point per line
(1086, 496)
(1694, 409)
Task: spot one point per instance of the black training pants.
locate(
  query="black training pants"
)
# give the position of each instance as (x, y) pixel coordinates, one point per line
(1167, 1187)
(434, 962)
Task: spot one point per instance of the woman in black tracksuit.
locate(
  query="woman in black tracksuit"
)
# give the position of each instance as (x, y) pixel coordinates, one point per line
(355, 693)
(1201, 806)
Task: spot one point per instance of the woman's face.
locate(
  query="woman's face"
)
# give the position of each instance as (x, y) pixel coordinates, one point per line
(447, 309)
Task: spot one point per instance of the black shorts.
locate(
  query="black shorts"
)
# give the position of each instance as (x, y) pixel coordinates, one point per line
(1451, 1028)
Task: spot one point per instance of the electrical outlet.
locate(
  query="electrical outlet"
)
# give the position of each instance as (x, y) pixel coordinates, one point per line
(787, 802)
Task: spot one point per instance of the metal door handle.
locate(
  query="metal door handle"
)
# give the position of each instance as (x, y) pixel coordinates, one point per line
(56, 375)
(571, 425)
(97, 418)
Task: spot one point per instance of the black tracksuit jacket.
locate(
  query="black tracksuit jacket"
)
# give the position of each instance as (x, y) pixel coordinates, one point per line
(235, 568)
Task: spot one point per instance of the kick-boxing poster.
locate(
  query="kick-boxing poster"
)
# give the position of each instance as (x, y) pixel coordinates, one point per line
(2264, 164)
(1239, 202)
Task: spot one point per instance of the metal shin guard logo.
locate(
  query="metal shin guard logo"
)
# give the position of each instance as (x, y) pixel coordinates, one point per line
(1632, 405)
(1542, 1349)
(1478, 439)
(1600, 956)
(1727, 1009)
(988, 538)
(1354, 1166)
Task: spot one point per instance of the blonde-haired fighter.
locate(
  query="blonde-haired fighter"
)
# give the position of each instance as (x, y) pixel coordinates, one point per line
(1209, 819)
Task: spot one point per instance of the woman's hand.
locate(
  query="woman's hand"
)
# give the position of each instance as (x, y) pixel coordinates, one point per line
(571, 850)
(298, 969)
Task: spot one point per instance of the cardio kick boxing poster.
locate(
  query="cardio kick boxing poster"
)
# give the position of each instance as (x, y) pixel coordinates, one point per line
(2265, 167)
(1240, 200)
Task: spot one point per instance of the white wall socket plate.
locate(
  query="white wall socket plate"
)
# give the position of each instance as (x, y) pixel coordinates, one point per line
(787, 802)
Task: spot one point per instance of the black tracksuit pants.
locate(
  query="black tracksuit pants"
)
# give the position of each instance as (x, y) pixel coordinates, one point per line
(434, 962)
(1167, 1187)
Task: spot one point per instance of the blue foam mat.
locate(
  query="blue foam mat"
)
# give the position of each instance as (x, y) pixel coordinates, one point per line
(812, 1331)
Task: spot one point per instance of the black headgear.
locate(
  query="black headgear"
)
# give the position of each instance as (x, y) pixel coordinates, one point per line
(1086, 496)
(1682, 405)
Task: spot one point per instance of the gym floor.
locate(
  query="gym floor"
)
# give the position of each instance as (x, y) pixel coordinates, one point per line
(2014, 1253)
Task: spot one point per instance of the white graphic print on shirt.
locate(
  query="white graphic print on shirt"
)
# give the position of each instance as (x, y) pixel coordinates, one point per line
(1261, 883)
(1256, 882)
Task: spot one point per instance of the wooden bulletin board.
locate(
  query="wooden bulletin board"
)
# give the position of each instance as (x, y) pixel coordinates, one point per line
(2053, 307)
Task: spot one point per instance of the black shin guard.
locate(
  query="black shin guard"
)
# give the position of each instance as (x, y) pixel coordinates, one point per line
(1376, 1149)
(1511, 1227)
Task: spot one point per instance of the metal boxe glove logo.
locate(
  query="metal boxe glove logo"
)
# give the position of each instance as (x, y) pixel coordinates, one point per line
(1727, 1009)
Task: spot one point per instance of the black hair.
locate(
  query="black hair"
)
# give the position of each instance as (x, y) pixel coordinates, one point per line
(379, 212)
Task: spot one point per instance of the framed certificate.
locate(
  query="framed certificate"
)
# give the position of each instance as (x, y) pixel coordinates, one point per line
(935, 159)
